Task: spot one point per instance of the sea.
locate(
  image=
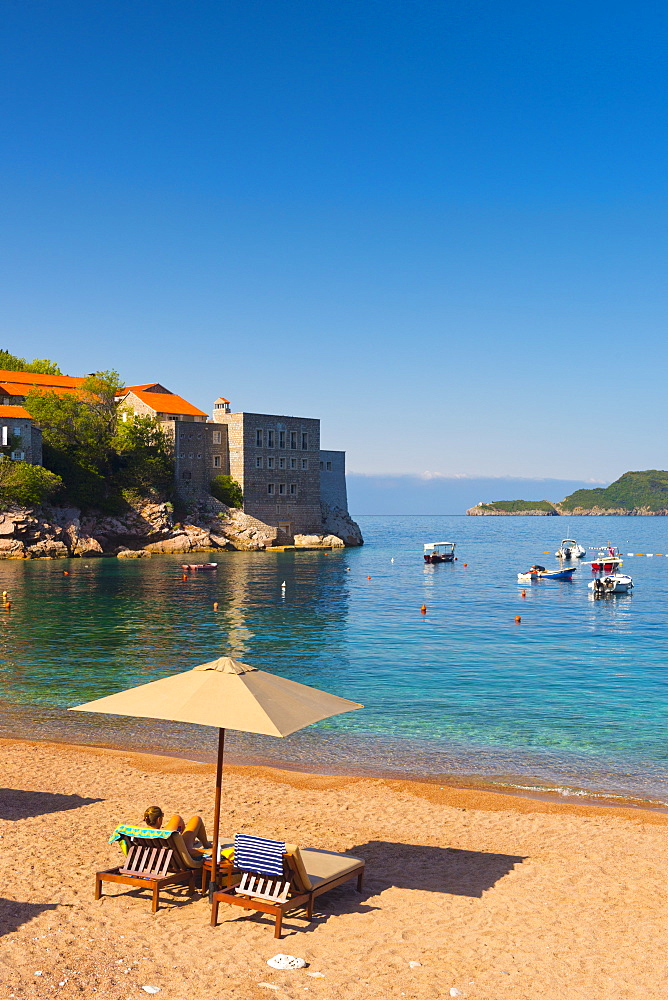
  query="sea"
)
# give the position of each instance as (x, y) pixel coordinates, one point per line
(571, 701)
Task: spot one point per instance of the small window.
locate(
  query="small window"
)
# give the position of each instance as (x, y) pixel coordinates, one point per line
(322, 466)
(270, 439)
(270, 488)
(304, 442)
(293, 489)
(216, 437)
(281, 489)
(191, 455)
(304, 463)
(216, 461)
(329, 466)
(293, 463)
(258, 463)
(293, 439)
(199, 456)
(17, 432)
(281, 439)
(281, 463)
(258, 439)
(270, 463)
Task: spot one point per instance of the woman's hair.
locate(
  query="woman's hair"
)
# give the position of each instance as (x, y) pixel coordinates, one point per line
(153, 815)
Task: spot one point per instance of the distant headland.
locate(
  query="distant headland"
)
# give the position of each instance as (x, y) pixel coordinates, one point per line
(636, 494)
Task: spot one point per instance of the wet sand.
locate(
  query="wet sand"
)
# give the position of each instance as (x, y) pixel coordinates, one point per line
(493, 894)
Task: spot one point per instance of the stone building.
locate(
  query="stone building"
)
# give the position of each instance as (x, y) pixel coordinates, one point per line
(17, 428)
(276, 461)
(200, 449)
(333, 490)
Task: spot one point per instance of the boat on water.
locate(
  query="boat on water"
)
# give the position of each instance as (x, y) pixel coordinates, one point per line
(570, 549)
(608, 560)
(437, 552)
(196, 566)
(540, 573)
(613, 583)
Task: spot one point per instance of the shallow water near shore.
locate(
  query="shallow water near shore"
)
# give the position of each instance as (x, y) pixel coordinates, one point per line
(575, 697)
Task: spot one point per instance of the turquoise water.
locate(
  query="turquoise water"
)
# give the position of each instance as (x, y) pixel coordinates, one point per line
(574, 696)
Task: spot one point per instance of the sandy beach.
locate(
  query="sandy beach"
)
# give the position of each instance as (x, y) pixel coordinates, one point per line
(493, 895)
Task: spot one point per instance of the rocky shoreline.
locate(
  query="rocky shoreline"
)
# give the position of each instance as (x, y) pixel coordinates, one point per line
(487, 510)
(51, 532)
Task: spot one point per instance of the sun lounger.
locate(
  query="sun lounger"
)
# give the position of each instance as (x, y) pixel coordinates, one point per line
(277, 877)
(155, 859)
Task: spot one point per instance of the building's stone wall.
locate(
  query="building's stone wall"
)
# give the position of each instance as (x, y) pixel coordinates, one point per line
(276, 461)
(29, 448)
(200, 451)
(333, 479)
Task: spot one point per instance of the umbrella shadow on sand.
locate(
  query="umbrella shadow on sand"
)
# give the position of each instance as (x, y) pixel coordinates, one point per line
(13, 914)
(434, 869)
(20, 803)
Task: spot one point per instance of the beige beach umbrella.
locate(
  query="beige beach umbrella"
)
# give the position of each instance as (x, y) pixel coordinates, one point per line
(225, 694)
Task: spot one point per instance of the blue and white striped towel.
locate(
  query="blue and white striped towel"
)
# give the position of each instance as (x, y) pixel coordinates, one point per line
(255, 854)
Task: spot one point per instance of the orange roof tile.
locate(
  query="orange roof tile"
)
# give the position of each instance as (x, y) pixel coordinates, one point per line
(167, 403)
(221, 399)
(31, 378)
(14, 411)
(22, 388)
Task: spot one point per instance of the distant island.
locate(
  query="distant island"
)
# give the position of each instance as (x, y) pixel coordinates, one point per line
(641, 494)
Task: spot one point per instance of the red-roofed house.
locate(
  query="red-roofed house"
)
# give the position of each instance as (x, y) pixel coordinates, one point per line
(200, 448)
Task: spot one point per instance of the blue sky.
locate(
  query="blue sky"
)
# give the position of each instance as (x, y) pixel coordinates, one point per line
(440, 227)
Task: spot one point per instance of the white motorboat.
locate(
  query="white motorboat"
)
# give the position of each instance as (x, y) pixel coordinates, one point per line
(436, 552)
(613, 583)
(570, 549)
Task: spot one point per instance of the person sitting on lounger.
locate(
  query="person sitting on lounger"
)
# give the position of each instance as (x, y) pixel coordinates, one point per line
(191, 831)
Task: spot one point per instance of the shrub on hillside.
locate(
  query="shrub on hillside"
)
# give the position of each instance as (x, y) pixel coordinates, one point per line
(227, 490)
(26, 485)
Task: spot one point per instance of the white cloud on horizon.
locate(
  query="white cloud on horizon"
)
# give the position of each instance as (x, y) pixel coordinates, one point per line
(425, 477)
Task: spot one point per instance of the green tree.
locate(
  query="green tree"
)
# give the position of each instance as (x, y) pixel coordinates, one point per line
(25, 485)
(11, 363)
(227, 490)
(145, 453)
(79, 431)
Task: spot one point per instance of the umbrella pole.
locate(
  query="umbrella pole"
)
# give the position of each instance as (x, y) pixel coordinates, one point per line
(216, 813)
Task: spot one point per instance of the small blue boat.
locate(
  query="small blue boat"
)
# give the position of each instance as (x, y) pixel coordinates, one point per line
(540, 573)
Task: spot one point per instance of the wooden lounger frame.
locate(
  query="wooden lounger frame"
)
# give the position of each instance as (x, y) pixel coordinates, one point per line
(148, 868)
(283, 896)
(155, 864)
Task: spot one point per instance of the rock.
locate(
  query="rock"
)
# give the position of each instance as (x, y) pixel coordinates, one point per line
(132, 554)
(318, 541)
(177, 543)
(49, 548)
(11, 548)
(87, 546)
(338, 522)
(6, 526)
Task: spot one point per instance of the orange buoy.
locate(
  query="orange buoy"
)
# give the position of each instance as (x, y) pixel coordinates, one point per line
(184, 576)
(215, 605)
(465, 564)
(66, 572)
(368, 577)
(423, 609)
(524, 593)
(517, 619)
(8, 605)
